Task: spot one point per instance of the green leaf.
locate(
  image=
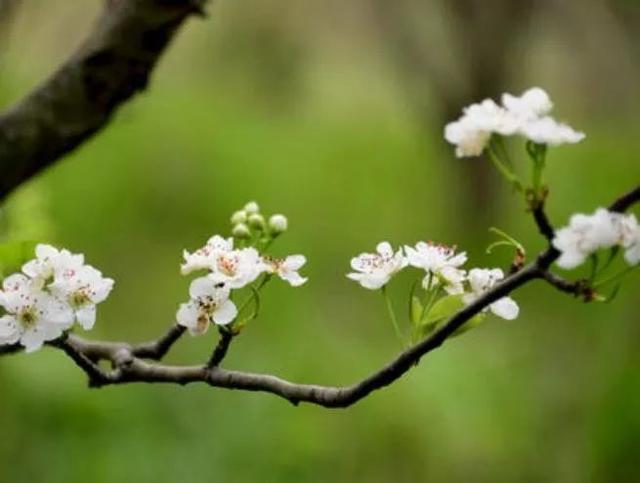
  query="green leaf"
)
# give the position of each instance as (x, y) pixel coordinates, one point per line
(443, 308)
(15, 254)
(472, 323)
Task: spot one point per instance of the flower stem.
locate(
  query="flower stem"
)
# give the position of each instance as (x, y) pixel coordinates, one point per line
(615, 277)
(392, 315)
(503, 168)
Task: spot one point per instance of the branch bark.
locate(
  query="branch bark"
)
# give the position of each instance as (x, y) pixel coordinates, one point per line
(112, 65)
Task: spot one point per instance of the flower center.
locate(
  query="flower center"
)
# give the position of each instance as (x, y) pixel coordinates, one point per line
(227, 265)
(79, 298)
(28, 316)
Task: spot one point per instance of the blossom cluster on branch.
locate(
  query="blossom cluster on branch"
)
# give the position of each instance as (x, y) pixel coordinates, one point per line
(57, 289)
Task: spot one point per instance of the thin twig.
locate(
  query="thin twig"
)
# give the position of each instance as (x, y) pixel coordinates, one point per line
(219, 353)
(157, 349)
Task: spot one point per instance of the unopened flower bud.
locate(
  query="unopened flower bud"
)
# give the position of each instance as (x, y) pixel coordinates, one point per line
(252, 208)
(239, 217)
(241, 231)
(278, 224)
(256, 221)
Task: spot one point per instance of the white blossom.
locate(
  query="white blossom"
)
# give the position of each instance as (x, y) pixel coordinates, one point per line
(50, 260)
(586, 234)
(209, 303)
(471, 133)
(374, 270)
(441, 263)
(33, 316)
(233, 267)
(630, 238)
(204, 258)
(237, 268)
(482, 280)
(82, 289)
(547, 130)
(532, 104)
(526, 115)
(287, 268)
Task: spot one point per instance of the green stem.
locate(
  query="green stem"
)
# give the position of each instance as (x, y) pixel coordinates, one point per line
(502, 168)
(392, 315)
(248, 300)
(435, 292)
(615, 277)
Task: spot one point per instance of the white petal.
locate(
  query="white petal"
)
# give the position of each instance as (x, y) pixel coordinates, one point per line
(294, 278)
(225, 313)
(86, 316)
(9, 330)
(506, 308)
(295, 262)
(187, 315)
(202, 287)
(384, 249)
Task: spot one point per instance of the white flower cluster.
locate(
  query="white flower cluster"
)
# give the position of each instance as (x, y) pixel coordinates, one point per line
(527, 115)
(55, 290)
(442, 266)
(231, 268)
(586, 234)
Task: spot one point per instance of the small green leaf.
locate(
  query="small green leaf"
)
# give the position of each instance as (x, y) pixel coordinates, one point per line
(472, 323)
(443, 308)
(15, 254)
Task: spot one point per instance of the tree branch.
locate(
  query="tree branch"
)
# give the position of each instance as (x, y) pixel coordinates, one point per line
(112, 65)
(157, 349)
(130, 368)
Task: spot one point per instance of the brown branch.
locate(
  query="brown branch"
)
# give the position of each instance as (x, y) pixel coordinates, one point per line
(112, 65)
(130, 368)
(96, 376)
(157, 349)
(626, 201)
(220, 352)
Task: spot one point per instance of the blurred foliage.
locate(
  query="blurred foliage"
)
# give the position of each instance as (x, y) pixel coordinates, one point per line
(295, 104)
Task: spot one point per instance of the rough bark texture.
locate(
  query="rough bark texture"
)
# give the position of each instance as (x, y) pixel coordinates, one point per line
(112, 65)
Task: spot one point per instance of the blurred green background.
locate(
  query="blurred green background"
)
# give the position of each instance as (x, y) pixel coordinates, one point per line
(332, 113)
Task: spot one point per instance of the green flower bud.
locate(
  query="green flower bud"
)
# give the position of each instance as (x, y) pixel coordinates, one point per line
(252, 208)
(241, 231)
(239, 217)
(278, 224)
(256, 221)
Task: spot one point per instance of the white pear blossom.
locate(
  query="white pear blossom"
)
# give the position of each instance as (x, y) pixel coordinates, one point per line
(82, 289)
(209, 303)
(287, 268)
(526, 115)
(586, 234)
(547, 130)
(237, 268)
(441, 263)
(234, 267)
(532, 104)
(374, 270)
(629, 231)
(482, 280)
(33, 316)
(204, 258)
(471, 133)
(49, 260)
